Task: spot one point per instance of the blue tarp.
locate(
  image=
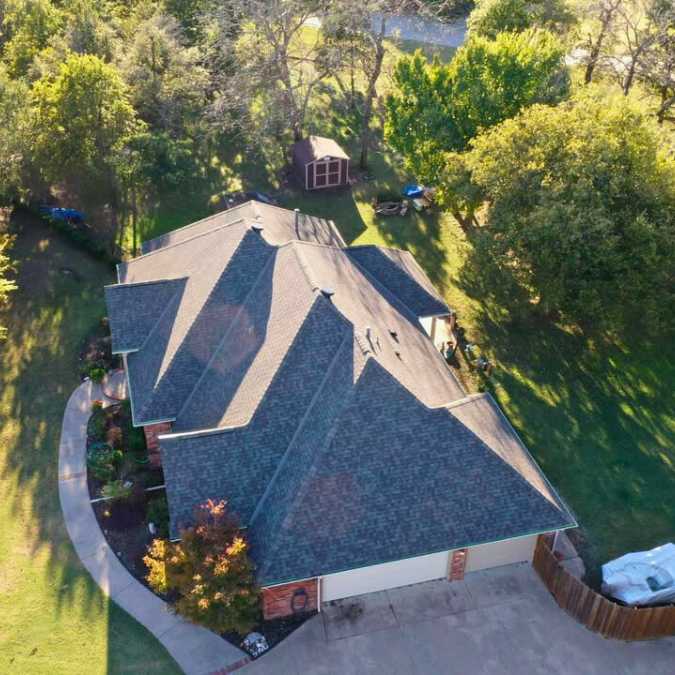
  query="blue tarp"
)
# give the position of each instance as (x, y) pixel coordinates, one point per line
(413, 190)
(59, 213)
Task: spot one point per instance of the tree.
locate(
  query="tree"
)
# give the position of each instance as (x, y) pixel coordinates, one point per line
(13, 93)
(646, 26)
(30, 24)
(210, 570)
(80, 118)
(491, 17)
(438, 108)
(86, 31)
(167, 84)
(581, 210)
(603, 15)
(277, 63)
(6, 284)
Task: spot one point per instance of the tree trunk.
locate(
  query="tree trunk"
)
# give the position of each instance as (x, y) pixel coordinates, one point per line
(371, 92)
(134, 223)
(666, 103)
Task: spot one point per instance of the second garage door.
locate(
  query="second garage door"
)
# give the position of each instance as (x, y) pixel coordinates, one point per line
(387, 575)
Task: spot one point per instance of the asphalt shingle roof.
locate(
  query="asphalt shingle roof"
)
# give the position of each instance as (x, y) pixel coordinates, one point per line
(327, 419)
(399, 272)
(317, 147)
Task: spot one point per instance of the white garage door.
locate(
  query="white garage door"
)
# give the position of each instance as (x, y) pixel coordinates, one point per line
(502, 553)
(387, 575)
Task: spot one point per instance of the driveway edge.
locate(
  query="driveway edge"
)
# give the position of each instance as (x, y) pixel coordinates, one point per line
(196, 650)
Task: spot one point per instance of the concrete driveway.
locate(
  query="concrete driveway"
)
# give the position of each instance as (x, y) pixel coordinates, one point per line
(497, 621)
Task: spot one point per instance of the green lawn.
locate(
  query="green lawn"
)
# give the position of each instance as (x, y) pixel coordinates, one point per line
(53, 618)
(596, 413)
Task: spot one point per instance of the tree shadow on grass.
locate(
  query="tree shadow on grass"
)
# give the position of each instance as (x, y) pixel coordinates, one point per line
(595, 411)
(60, 298)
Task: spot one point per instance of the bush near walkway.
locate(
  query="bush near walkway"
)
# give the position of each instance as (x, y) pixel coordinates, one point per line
(209, 570)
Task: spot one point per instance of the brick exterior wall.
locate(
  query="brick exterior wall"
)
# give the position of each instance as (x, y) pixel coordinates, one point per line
(457, 565)
(298, 596)
(152, 431)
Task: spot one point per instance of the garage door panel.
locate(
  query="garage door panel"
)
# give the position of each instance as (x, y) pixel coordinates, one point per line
(384, 576)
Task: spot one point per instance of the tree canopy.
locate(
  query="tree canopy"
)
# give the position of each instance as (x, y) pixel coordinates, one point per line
(582, 209)
(491, 17)
(437, 107)
(210, 570)
(80, 118)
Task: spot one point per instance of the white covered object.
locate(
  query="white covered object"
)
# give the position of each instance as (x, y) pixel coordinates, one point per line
(644, 578)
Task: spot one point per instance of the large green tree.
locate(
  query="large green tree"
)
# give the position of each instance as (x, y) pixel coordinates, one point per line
(81, 117)
(582, 210)
(28, 24)
(12, 96)
(436, 108)
(491, 17)
(167, 84)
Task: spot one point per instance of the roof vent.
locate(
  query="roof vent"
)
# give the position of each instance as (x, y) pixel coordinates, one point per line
(394, 335)
(257, 227)
(327, 292)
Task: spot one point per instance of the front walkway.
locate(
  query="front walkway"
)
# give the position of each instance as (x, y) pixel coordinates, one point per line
(497, 622)
(196, 650)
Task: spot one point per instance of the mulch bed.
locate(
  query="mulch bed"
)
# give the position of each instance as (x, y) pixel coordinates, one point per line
(124, 522)
(124, 526)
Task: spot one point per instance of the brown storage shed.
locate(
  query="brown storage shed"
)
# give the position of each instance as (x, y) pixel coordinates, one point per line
(320, 163)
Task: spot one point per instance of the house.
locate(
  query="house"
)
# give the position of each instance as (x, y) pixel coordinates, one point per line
(290, 374)
(320, 163)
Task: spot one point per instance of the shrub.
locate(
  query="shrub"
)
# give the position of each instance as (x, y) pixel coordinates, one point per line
(96, 373)
(114, 437)
(96, 406)
(137, 441)
(117, 490)
(102, 461)
(158, 513)
(210, 570)
(96, 428)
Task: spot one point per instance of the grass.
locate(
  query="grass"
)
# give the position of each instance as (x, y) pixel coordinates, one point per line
(53, 618)
(596, 412)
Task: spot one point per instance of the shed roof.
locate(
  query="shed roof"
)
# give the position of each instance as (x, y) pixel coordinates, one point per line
(317, 147)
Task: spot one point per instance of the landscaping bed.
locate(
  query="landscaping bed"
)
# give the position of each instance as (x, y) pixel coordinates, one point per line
(116, 451)
(96, 357)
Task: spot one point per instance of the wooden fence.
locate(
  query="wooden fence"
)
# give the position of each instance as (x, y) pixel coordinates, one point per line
(595, 611)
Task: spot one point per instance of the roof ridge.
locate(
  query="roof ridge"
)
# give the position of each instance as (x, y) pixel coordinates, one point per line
(234, 321)
(304, 266)
(185, 241)
(300, 426)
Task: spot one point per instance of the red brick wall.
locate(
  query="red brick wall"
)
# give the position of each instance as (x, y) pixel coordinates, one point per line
(282, 600)
(457, 565)
(152, 431)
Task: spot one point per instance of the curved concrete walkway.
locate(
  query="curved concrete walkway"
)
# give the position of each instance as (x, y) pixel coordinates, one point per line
(196, 650)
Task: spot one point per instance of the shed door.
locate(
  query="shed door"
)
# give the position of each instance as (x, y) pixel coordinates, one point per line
(327, 173)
